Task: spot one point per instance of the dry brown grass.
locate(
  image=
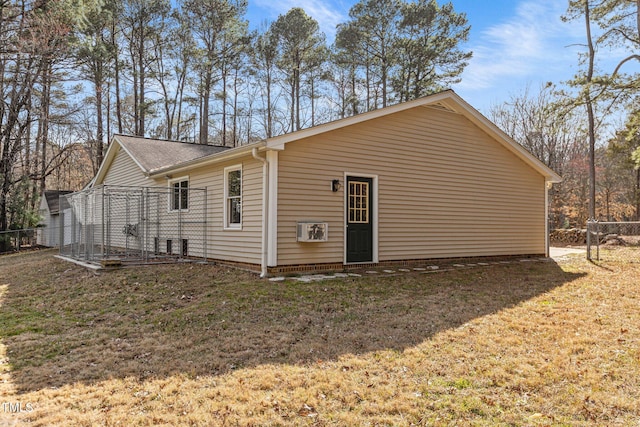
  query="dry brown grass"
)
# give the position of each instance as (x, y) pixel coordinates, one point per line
(534, 343)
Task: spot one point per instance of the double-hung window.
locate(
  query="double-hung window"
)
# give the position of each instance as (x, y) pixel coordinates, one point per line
(233, 197)
(179, 194)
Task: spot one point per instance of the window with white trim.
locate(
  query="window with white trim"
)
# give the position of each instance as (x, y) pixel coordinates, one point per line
(233, 197)
(179, 194)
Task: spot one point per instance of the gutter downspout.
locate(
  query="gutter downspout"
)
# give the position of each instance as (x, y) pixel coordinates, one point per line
(265, 211)
(548, 186)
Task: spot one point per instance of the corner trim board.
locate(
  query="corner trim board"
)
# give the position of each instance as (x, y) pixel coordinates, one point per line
(272, 235)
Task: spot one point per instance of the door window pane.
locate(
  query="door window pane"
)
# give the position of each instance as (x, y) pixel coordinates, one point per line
(358, 202)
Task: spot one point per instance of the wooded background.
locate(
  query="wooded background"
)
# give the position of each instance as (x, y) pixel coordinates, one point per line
(73, 73)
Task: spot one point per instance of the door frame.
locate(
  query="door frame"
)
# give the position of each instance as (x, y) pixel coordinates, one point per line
(374, 217)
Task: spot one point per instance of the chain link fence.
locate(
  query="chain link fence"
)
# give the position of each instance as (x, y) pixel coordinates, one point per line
(16, 240)
(610, 235)
(134, 224)
(48, 234)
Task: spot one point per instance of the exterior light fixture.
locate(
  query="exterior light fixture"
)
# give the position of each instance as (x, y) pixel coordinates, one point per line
(336, 185)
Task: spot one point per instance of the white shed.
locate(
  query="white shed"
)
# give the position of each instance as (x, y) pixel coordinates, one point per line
(49, 227)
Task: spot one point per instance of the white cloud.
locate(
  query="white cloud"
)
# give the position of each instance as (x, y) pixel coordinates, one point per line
(532, 45)
(328, 14)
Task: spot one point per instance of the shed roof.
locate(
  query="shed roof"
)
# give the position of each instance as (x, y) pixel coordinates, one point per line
(52, 197)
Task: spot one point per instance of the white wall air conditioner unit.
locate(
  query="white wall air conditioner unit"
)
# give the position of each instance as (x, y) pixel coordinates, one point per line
(313, 231)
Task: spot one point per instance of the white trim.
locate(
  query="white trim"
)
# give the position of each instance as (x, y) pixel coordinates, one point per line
(447, 99)
(170, 183)
(264, 249)
(505, 140)
(375, 256)
(112, 152)
(278, 141)
(123, 146)
(272, 235)
(226, 225)
(223, 156)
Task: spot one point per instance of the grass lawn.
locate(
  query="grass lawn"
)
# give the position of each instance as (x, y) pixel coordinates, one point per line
(530, 343)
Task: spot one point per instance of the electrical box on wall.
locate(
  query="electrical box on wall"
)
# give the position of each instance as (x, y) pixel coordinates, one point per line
(313, 231)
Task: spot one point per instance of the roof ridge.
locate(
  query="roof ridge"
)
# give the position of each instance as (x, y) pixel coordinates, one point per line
(169, 140)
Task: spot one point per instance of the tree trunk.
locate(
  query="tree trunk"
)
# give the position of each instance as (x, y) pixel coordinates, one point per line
(296, 76)
(99, 124)
(384, 72)
(180, 97)
(108, 111)
(141, 85)
(354, 97)
(204, 110)
(590, 113)
(44, 120)
(313, 112)
(224, 103)
(116, 66)
(136, 102)
(31, 164)
(235, 106)
(293, 103)
(368, 84)
(269, 113)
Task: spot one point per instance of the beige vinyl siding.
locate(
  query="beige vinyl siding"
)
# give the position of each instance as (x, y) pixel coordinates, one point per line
(242, 245)
(230, 245)
(446, 189)
(124, 171)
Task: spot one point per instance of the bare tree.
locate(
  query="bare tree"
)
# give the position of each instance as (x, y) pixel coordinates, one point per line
(588, 91)
(542, 125)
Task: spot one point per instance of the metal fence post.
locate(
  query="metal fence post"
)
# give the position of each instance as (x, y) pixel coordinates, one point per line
(61, 230)
(73, 228)
(145, 204)
(126, 223)
(589, 223)
(179, 242)
(108, 216)
(597, 240)
(102, 223)
(86, 227)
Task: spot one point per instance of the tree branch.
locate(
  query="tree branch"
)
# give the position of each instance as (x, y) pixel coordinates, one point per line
(627, 59)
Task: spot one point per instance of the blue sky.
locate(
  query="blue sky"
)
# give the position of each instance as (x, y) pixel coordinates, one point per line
(516, 43)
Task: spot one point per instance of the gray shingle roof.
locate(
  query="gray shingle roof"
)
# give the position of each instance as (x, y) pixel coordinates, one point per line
(155, 154)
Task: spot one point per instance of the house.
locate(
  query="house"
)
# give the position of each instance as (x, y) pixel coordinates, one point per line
(426, 179)
(49, 227)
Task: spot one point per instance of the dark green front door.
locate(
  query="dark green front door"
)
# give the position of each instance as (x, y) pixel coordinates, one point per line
(359, 219)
